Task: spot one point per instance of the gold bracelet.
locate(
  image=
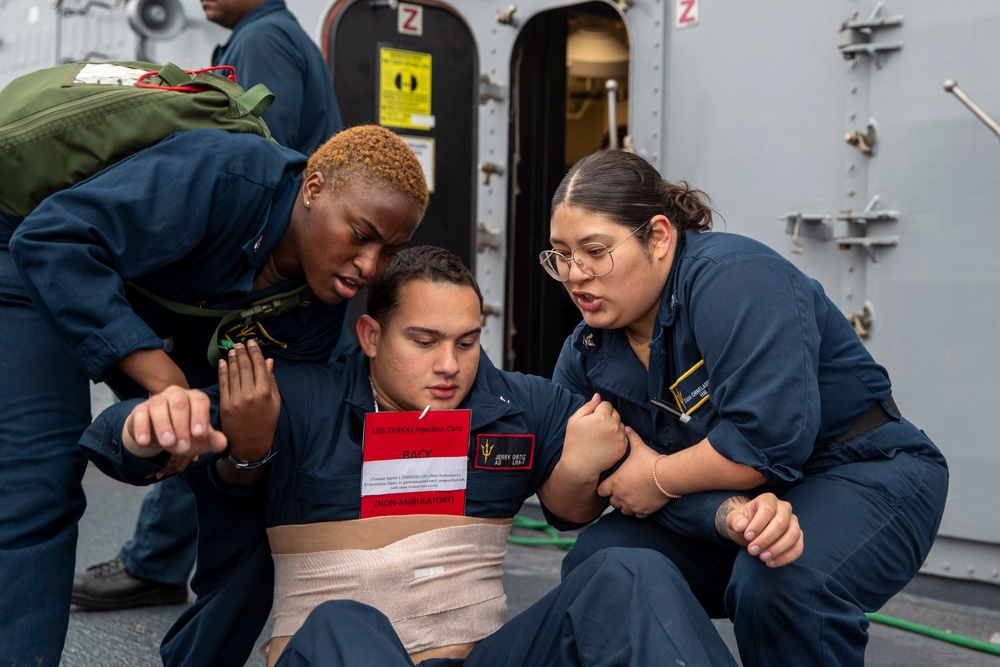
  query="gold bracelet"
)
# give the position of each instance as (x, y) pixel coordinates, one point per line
(657, 482)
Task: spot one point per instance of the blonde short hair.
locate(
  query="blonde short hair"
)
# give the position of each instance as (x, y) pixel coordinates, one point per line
(371, 153)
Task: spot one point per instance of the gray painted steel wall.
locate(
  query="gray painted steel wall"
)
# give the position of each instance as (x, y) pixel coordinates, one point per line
(758, 103)
(751, 104)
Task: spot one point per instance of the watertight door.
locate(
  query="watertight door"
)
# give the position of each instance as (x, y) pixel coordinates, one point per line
(559, 114)
(412, 67)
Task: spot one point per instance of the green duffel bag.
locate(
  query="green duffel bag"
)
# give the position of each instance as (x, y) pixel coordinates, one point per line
(60, 125)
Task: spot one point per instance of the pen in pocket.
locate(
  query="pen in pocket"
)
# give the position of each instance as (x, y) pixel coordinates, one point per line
(663, 406)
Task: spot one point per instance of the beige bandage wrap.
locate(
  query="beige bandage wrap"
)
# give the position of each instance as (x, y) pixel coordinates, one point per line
(441, 587)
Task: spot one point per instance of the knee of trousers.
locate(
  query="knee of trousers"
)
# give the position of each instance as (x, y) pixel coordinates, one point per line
(43, 511)
(610, 531)
(609, 566)
(758, 591)
(346, 618)
(574, 558)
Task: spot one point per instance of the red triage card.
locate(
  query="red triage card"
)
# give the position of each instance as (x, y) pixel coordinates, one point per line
(415, 465)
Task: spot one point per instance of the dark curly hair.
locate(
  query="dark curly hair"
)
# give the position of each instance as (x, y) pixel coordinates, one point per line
(423, 262)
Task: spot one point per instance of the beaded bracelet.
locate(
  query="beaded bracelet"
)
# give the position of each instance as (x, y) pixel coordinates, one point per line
(657, 482)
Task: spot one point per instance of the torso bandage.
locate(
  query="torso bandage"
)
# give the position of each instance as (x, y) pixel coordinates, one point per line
(440, 587)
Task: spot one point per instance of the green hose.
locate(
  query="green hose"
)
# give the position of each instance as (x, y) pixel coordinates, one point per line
(934, 633)
(554, 540)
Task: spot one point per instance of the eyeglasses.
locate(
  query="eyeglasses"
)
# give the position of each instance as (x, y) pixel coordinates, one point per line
(594, 259)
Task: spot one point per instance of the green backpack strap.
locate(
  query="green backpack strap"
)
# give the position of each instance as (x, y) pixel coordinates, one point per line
(258, 310)
(176, 306)
(174, 76)
(262, 309)
(254, 101)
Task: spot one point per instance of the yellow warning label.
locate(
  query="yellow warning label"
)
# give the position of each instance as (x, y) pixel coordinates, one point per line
(405, 89)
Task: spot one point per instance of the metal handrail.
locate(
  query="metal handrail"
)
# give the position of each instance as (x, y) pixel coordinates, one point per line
(951, 86)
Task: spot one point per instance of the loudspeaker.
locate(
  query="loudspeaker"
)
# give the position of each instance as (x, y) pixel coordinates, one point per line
(156, 19)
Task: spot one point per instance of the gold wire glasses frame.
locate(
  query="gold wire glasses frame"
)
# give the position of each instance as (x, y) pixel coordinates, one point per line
(596, 261)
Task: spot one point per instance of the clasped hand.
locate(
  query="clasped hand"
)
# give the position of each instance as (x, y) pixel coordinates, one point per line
(595, 439)
(765, 525)
(178, 420)
(631, 488)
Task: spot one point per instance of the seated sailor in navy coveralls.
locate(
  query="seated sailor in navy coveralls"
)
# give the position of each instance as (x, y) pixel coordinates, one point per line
(203, 218)
(764, 384)
(357, 586)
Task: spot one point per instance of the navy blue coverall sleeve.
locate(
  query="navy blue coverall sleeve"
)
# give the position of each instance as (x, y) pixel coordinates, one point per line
(135, 218)
(762, 356)
(692, 515)
(103, 443)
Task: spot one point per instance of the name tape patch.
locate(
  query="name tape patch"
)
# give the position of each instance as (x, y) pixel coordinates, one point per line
(691, 389)
(504, 452)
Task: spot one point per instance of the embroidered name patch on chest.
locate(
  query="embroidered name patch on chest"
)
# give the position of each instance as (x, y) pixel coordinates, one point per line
(691, 389)
(504, 452)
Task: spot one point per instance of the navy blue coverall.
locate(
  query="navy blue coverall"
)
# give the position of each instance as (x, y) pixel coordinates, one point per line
(267, 46)
(773, 374)
(192, 219)
(619, 610)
